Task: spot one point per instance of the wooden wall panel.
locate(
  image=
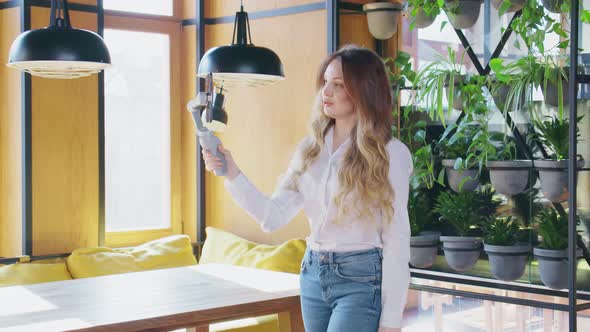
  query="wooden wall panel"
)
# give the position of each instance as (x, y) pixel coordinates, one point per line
(266, 123)
(188, 8)
(64, 156)
(216, 8)
(354, 30)
(189, 172)
(10, 140)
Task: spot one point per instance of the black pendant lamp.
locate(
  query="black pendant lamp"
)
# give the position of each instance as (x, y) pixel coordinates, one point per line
(241, 63)
(59, 51)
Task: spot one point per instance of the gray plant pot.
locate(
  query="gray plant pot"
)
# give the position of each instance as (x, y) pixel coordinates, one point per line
(553, 177)
(516, 5)
(551, 94)
(464, 14)
(553, 6)
(552, 266)
(423, 249)
(422, 20)
(456, 177)
(501, 95)
(507, 263)
(461, 252)
(457, 100)
(509, 177)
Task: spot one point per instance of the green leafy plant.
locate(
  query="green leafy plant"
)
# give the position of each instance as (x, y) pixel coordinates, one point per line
(432, 79)
(533, 26)
(419, 211)
(487, 201)
(504, 147)
(526, 205)
(399, 72)
(502, 231)
(553, 133)
(430, 8)
(553, 228)
(466, 210)
(413, 134)
(520, 76)
(469, 144)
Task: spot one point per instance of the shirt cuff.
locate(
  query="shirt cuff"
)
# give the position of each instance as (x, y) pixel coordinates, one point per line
(238, 185)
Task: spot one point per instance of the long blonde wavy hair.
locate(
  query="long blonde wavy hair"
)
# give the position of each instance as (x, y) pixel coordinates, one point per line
(363, 175)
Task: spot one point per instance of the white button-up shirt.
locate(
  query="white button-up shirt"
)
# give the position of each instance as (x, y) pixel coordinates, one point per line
(317, 187)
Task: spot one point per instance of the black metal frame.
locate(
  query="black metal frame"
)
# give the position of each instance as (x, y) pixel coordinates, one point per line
(572, 307)
(101, 138)
(200, 35)
(26, 122)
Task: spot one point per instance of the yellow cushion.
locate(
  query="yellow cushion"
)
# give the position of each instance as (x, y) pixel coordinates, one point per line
(32, 273)
(227, 248)
(224, 247)
(171, 251)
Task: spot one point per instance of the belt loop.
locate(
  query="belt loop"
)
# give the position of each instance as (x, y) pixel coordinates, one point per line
(380, 251)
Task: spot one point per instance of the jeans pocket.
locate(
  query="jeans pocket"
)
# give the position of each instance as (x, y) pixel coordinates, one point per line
(357, 271)
(303, 265)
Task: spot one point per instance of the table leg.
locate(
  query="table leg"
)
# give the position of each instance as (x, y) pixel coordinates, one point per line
(291, 321)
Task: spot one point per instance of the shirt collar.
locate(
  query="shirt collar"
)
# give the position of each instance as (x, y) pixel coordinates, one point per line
(330, 139)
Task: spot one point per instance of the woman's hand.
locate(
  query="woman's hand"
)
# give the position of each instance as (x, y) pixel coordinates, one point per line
(213, 163)
(390, 329)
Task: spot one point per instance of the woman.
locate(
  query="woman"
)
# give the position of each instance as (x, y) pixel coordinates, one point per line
(352, 179)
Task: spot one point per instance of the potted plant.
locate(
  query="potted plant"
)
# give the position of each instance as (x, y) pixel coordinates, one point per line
(423, 244)
(513, 83)
(399, 73)
(460, 156)
(462, 14)
(552, 253)
(422, 13)
(556, 6)
(508, 6)
(507, 174)
(461, 211)
(553, 133)
(507, 255)
(432, 80)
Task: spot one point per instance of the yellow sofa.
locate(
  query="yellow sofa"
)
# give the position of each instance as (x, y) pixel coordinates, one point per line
(171, 251)
(36, 272)
(227, 248)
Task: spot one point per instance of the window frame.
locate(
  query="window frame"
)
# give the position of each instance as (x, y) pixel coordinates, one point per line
(172, 29)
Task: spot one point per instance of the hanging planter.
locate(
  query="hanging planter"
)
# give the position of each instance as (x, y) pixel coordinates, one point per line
(552, 264)
(553, 6)
(460, 179)
(461, 252)
(553, 177)
(509, 177)
(463, 13)
(457, 98)
(382, 18)
(515, 5)
(500, 97)
(423, 249)
(507, 263)
(420, 18)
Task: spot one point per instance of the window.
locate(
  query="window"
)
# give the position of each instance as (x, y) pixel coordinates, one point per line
(153, 7)
(141, 131)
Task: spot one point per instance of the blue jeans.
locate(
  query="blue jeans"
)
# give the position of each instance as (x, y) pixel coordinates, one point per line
(341, 291)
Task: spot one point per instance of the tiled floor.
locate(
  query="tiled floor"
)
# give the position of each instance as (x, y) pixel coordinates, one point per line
(438, 313)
